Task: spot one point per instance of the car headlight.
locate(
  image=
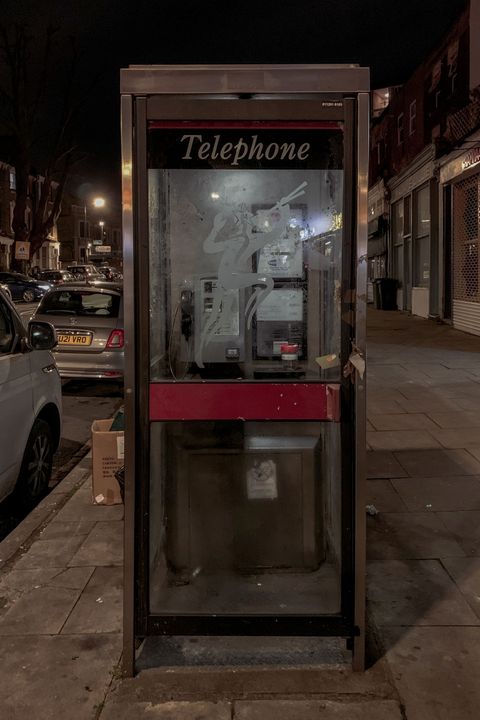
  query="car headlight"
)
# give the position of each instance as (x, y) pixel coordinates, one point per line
(44, 287)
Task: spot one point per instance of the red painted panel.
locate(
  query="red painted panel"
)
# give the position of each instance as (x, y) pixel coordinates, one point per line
(247, 124)
(244, 401)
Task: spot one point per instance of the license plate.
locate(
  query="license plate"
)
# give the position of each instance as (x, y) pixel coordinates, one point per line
(67, 339)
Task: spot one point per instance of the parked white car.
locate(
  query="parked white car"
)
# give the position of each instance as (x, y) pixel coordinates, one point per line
(30, 405)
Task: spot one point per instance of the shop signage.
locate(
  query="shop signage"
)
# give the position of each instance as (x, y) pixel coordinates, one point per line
(242, 148)
(22, 250)
(103, 248)
(251, 148)
(471, 158)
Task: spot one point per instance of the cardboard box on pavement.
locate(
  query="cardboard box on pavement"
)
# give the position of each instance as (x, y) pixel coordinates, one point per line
(107, 458)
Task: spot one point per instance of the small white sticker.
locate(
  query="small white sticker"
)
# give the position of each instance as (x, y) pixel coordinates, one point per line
(262, 481)
(99, 499)
(120, 447)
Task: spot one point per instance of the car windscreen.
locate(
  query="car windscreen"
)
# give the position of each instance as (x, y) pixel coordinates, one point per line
(78, 302)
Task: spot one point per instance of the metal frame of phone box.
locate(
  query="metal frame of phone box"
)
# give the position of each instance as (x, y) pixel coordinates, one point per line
(289, 95)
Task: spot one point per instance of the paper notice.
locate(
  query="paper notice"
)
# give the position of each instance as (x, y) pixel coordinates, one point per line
(328, 361)
(262, 481)
(120, 447)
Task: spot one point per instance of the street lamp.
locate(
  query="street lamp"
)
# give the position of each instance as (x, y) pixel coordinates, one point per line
(101, 223)
(97, 202)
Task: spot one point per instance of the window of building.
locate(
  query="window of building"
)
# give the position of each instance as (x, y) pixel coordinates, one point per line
(407, 215)
(397, 236)
(412, 123)
(454, 83)
(84, 228)
(400, 129)
(422, 237)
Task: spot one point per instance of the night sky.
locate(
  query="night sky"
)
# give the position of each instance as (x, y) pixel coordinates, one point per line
(388, 36)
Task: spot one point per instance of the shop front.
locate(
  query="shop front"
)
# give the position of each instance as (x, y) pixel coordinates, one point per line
(245, 227)
(460, 176)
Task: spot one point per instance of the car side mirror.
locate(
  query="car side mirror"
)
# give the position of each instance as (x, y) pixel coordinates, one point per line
(41, 335)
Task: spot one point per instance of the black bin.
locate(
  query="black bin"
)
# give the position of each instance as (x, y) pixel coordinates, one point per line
(385, 293)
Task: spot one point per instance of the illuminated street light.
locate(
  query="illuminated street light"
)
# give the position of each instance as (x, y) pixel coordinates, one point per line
(99, 202)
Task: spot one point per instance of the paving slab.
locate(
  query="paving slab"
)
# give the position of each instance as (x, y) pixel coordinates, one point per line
(461, 438)
(25, 580)
(410, 535)
(405, 421)
(173, 710)
(466, 574)
(418, 403)
(475, 451)
(49, 553)
(436, 671)
(383, 464)
(402, 440)
(383, 405)
(102, 546)
(56, 676)
(66, 530)
(464, 525)
(383, 496)
(434, 463)
(81, 507)
(461, 419)
(439, 493)
(313, 709)
(416, 592)
(468, 403)
(99, 608)
(41, 611)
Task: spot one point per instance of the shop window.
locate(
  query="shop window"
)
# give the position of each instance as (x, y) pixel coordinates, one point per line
(421, 246)
(397, 236)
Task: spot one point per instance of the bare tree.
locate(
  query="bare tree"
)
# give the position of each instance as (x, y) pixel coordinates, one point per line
(37, 91)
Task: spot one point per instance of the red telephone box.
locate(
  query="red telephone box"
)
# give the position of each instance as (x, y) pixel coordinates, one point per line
(244, 195)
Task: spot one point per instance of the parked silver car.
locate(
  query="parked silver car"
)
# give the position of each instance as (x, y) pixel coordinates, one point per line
(89, 325)
(30, 406)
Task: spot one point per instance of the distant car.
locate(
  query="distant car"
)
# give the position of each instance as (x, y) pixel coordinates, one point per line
(89, 325)
(56, 277)
(30, 406)
(85, 272)
(23, 287)
(110, 273)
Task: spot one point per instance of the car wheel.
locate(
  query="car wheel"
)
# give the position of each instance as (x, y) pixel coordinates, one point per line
(28, 296)
(36, 468)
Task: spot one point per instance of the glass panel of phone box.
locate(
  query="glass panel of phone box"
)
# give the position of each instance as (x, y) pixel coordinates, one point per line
(245, 277)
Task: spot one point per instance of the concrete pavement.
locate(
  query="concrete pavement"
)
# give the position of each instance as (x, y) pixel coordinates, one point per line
(60, 575)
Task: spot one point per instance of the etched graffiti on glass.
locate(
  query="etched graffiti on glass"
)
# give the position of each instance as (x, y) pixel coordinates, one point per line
(238, 235)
